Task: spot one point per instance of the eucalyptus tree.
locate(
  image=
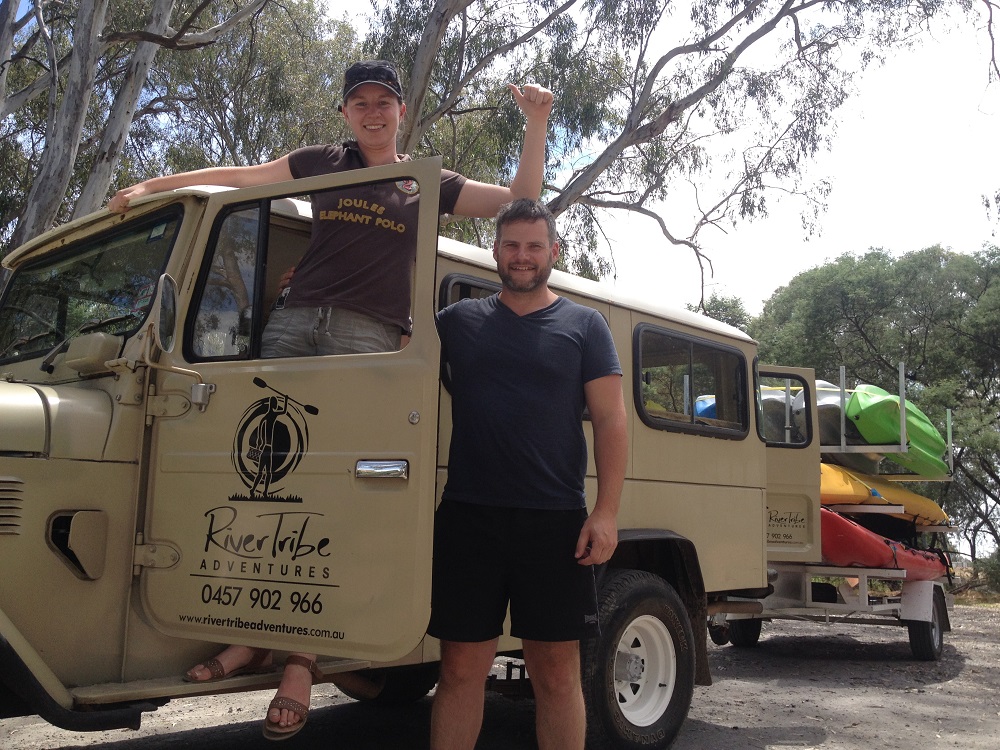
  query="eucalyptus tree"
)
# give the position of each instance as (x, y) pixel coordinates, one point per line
(72, 73)
(255, 95)
(729, 310)
(722, 101)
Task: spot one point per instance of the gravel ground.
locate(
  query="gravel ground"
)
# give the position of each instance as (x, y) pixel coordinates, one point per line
(806, 685)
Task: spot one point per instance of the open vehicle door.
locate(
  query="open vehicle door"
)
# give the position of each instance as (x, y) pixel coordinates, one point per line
(786, 418)
(294, 509)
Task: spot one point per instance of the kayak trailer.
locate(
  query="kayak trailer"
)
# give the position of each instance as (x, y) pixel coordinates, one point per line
(845, 572)
(806, 592)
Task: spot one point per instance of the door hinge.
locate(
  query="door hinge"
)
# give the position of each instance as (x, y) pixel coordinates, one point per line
(167, 405)
(154, 556)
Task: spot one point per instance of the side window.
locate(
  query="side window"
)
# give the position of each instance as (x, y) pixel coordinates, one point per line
(689, 384)
(253, 245)
(458, 287)
(782, 416)
(223, 322)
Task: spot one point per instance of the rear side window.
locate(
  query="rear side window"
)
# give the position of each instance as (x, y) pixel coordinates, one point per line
(783, 416)
(690, 384)
(459, 286)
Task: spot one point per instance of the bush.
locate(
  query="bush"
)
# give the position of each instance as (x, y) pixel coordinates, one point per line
(990, 570)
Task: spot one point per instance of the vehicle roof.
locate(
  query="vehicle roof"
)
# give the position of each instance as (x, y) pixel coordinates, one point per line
(447, 247)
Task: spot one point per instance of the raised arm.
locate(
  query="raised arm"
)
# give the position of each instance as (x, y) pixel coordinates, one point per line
(237, 177)
(481, 199)
(606, 405)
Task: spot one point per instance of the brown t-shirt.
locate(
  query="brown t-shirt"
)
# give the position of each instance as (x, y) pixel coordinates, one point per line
(364, 239)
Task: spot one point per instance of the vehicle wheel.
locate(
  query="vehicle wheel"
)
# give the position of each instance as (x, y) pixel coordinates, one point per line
(719, 634)
(744, 633)
(638, 675)
(927, 638)
(394, 686)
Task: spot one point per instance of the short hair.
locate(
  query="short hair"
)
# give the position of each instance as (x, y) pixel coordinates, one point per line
(525, 209)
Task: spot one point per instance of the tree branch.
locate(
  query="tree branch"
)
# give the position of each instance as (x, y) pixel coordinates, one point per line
(182, 38)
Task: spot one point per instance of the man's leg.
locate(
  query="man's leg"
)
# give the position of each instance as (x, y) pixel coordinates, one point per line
(457, 712)
(554, 670)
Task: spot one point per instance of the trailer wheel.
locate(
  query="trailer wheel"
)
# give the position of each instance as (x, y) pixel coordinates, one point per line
(744, 633)
(719, 634)
(638, 675)
(927, 638)
(395, 686)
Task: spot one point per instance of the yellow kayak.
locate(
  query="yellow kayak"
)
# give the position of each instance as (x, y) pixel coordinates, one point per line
(838, 486)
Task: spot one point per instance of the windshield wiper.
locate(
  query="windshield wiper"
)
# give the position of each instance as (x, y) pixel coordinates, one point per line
(90, 325)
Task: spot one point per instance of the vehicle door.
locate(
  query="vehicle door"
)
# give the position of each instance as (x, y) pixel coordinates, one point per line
(295, 508)
(786, 419)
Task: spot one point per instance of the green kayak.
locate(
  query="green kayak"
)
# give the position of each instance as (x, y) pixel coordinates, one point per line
(875, 412)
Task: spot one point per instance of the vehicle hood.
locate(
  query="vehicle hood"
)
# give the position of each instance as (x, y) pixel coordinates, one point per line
(54, 422)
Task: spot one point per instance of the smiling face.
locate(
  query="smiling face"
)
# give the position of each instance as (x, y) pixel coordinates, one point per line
(373, 114)
(525, 255)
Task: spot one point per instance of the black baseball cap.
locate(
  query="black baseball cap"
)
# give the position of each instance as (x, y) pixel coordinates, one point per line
(381, 72)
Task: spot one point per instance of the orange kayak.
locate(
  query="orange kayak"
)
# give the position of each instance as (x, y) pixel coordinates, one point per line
(846, 544)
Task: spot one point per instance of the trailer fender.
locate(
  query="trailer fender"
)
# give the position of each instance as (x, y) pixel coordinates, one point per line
(917, 602)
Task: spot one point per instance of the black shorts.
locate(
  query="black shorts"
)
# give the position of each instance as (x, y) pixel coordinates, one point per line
(486, 557)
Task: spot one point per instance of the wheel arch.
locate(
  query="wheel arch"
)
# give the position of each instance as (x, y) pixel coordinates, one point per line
(674, 558)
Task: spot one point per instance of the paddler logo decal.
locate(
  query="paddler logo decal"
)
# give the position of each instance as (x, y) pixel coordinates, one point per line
(270, 441)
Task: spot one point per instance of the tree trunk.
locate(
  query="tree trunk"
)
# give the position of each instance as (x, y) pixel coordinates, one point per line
(122, 112)
(8, 15)
(59, 157)
(420, 75)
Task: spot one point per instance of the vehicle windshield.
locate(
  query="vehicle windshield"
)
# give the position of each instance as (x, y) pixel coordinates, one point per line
(105, 283)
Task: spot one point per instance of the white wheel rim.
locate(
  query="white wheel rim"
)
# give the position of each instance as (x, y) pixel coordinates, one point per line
(645, 671)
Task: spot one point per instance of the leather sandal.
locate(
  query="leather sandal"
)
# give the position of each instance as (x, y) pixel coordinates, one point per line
(259, 661)
(274, 730)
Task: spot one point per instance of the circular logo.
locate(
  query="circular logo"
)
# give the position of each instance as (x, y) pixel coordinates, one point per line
(270, 441)
(410, 186)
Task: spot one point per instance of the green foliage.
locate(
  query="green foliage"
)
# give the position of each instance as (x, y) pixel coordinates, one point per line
(265, 89)
(729, 310)
(990, 570)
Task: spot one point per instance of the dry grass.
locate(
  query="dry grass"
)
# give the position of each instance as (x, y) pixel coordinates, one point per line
(977, 597)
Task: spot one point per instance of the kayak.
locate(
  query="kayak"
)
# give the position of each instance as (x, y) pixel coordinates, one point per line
(839, 486)
(777, 415)
(875, 413)
(828, 411)
(846, 544)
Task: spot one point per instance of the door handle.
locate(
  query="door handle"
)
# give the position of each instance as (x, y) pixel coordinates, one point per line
(382, 470)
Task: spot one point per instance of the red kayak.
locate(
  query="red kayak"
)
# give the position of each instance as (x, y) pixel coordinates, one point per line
(846, 544)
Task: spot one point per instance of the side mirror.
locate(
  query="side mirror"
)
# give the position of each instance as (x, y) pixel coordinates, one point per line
(166, 294)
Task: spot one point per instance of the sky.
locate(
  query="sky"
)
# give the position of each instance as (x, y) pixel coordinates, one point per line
(915, 151)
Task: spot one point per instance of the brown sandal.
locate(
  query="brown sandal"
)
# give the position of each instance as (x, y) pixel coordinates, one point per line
(274, 730)
(259, 661)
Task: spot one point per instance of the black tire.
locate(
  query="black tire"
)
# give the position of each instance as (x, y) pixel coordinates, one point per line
(11, 704)
(927, 638)
(719, 634)
(744, 633)
(638, 676)
(395, 686)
